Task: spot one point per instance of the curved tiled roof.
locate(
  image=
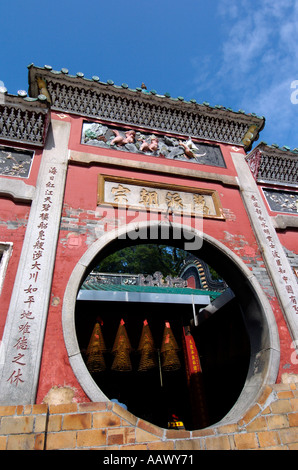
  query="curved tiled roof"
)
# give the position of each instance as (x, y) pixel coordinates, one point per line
(23, 119)
(111, 83)
(273, 164)
(149, 289)
(276, 147)
(34, 96)
(96, 99)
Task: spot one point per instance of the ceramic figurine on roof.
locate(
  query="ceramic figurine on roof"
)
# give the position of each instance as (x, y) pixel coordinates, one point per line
(173, 148)
(120, 139)
(190, 149)
(149, 146)
(43, 89)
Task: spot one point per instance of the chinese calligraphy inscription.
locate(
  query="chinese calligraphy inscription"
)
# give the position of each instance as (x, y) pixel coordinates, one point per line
(32, 284)
(288, 285)
(159, 197)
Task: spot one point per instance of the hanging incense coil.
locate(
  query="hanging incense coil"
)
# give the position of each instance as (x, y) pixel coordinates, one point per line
(146, 349)
(170, 361)
(121, 337)
(122, 360)
(96, 363)
(96, 340)
(146, 337)
(95, 350)
(121, 350)
(147, 361)
(169, 348)
(168, 341)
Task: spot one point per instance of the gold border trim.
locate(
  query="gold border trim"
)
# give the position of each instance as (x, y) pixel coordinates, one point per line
(171, 187)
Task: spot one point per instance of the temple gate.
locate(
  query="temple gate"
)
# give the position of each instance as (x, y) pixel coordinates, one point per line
(89, 168)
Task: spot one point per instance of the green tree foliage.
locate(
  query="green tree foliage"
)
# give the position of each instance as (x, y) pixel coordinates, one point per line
(144, 259)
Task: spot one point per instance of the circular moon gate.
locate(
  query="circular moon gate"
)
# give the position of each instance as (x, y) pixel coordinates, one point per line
(254, 305)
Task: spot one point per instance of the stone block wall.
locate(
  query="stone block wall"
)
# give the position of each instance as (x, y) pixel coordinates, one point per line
(272, 423)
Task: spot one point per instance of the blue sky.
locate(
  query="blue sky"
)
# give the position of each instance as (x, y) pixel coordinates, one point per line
(237, 53)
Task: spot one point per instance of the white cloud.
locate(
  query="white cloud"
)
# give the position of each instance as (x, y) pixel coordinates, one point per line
(256, 31)
(258, 62)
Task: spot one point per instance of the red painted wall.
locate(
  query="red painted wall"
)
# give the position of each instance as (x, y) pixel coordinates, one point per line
(13, 222)
(288, 238)
(77, 234)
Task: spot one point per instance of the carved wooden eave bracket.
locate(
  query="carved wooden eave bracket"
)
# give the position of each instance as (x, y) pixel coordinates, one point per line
(141, 109)
(24, 120)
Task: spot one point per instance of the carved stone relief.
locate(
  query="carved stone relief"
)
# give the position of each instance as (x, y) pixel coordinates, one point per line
(100, 135)
(282, 201)
(14, 162)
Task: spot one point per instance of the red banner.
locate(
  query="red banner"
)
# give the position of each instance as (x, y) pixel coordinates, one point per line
(195, 381)
(193, 360)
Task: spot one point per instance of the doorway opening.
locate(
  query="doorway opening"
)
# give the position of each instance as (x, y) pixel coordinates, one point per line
(159, 388)
(249, 306)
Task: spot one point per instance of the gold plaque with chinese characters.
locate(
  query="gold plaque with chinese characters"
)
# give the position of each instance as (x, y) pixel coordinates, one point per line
(158, 197)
